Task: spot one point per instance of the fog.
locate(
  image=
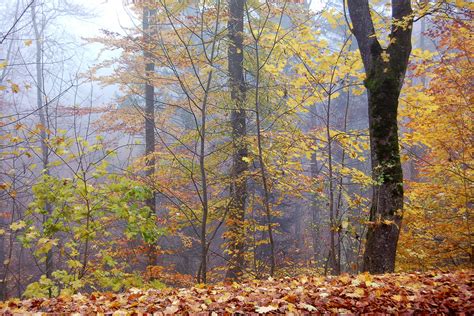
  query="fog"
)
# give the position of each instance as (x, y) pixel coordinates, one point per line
(166, 143)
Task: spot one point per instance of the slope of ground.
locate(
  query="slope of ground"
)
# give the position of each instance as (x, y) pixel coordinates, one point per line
(435, 292)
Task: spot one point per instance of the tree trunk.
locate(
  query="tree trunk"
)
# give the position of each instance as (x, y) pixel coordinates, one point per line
(263, 172)
(385, 72)
(333, 260)
(238, 189)
(387, 198)
(315, 215)
(149, 121)
(43, 115)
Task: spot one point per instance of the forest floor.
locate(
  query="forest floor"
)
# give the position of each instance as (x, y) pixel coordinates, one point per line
(432, 292)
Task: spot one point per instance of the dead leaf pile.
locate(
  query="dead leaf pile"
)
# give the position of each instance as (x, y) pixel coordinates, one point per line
(441, 293)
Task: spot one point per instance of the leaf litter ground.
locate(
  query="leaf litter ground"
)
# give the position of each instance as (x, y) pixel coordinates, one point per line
(407, 293)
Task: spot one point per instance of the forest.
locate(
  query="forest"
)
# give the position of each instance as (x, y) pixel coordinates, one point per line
(236, 156)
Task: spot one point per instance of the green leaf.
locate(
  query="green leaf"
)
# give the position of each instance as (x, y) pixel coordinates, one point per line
(18, 225)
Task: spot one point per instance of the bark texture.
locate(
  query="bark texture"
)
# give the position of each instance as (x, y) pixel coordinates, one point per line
(238, 189)
(385, 72)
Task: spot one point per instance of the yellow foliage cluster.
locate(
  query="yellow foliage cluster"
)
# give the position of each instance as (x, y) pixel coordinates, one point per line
(438, 222)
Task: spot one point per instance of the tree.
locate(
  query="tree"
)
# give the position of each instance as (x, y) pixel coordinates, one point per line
(188, 133)
(90, 213)
(42, 108)
(149, 114)
(238, 190)
(385, 70)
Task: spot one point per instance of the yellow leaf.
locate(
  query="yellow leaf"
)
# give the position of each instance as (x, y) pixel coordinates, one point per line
(246, 159)
(365, 277)
(345, 224)
(28, 42)
(358, 293)
(330, 16)
(15, 88)
(397, 298)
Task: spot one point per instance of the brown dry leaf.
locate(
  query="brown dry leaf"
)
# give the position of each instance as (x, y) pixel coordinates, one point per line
(170, 310)
(309, 308)
(265, 309)
(427, 293)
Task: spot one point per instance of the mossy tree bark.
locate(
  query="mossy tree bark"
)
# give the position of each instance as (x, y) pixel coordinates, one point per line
(385, 72)
(238, 189)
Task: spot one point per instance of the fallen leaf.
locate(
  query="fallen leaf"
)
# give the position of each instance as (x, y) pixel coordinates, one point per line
(265, 309)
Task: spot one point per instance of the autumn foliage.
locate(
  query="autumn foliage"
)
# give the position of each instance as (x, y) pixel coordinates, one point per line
(247, 142)
(438, 225)
(431, 292)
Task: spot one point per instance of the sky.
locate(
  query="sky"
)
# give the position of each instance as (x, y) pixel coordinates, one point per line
(111, 15)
